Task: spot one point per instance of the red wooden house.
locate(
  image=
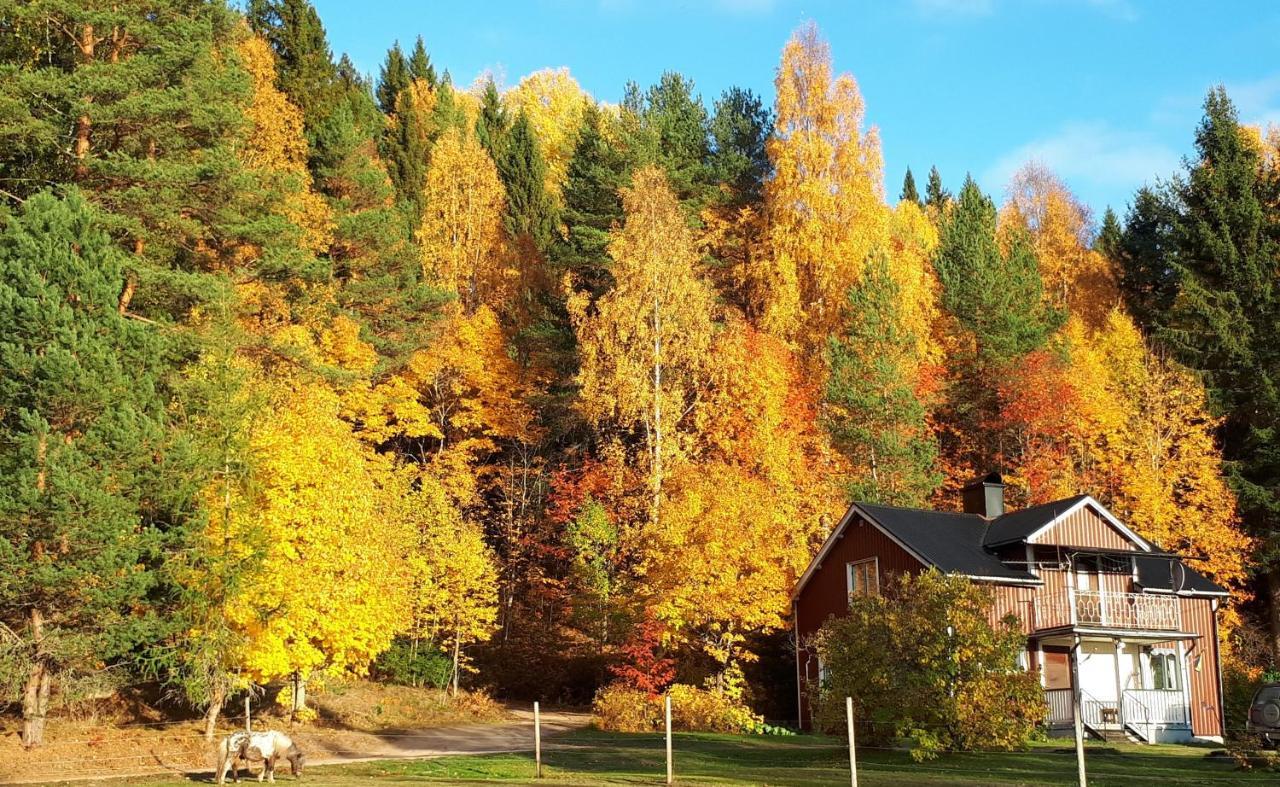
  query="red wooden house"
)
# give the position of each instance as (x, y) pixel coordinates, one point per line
(1133, 629)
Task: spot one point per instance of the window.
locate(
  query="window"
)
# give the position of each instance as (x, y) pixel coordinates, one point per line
(1164, 671)
(864, 577)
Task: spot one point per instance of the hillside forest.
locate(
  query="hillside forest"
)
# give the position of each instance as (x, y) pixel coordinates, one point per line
(303, 370)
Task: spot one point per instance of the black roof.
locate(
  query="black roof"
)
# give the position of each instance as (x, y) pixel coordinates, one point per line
(952, 542)
(1165, 573)
(1018, 525)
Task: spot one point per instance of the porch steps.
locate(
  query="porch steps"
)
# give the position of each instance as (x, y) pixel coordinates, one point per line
(1114, 735)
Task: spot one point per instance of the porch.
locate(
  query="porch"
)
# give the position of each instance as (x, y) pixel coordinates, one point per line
(1125, 655)
(1147, 715)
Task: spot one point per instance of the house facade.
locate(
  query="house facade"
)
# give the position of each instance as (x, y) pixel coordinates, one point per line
(1116, 627)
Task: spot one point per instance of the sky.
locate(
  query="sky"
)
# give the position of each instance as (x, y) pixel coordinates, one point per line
(1107, 93)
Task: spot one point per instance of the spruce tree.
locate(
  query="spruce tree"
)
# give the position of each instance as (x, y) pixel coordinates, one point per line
(530, 210)
(997, 297)
(303, 60)
(492, 123)
(909, 192)
(676, 121)
(420, 64)
(934, 194)
(89, 503)
(1144, 253)
(1222, 317)
(874, 416)
(393, 80)
(592, 204)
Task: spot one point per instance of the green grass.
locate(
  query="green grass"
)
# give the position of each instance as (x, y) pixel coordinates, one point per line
(594, 758)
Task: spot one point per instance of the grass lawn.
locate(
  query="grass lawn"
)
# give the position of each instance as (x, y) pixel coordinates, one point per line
(596, 758)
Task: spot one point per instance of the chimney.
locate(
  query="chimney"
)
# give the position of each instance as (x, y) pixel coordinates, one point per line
(984, 496)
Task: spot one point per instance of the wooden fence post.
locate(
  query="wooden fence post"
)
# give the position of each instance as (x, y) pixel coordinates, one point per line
(1076, 712)
(248, 723)
(537, 741)
(671, 779)
(853, 758)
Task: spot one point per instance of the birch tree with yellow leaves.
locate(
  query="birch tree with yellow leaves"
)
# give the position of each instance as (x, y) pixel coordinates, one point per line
(644, 345)
(461, 235)
(824, 206)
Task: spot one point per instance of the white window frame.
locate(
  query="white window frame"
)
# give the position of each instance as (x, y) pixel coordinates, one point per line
(850, 571)
(1170, 668)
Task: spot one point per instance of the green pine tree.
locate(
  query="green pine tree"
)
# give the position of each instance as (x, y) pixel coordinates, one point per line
(874, 416)
(739, 130)
(934, 194)
(592, 205)
(147, 125)
(997, 297)
(492, 123)
(420, 64)
(1225, 306)
(393, 80)
(909, 192)
(530, 209)
(91, 500)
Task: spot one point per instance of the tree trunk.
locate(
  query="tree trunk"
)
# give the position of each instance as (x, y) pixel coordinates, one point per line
(35, 695)
(457, 651)
(84, 124)
(211, 712)
(657, 409)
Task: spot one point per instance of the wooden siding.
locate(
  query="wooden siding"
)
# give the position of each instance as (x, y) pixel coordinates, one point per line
(1202, 667)
(1013, 599)
(827, 595)
(1084, 527)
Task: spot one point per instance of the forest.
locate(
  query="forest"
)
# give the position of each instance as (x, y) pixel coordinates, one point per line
(305, 371)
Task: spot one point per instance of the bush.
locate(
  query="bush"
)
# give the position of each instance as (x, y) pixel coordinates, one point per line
(923, 663)
(409, 665)
(619, 708)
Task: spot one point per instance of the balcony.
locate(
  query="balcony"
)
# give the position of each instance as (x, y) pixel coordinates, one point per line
(1106, 609)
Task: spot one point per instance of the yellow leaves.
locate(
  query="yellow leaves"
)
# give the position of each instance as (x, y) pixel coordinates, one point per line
(276, 148)
(461, 234)
(1075, 276)
(454, 581)
(912, 241)
(824, 204)
(554, 102)
(644, 347)
(330, 590)
(715, 563)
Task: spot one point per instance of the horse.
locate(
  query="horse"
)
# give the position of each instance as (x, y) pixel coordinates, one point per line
(265, 747)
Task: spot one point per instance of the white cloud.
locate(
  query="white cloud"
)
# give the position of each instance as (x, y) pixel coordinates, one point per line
(1089, 153)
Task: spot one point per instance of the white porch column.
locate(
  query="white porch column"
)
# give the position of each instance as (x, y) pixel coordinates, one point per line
(1119, 684)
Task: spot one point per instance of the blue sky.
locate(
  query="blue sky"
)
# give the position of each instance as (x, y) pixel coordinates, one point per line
(1106, 92)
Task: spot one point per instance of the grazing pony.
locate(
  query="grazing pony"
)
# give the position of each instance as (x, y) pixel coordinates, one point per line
(264, 747)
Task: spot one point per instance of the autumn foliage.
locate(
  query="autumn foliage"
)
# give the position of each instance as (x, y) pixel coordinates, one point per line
(568, 392)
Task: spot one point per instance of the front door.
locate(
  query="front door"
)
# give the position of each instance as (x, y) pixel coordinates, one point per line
(1097, 671)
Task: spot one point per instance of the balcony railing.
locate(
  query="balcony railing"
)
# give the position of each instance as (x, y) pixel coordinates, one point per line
(1103, 608)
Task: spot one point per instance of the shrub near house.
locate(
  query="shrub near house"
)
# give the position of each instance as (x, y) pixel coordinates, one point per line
(924, 662)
